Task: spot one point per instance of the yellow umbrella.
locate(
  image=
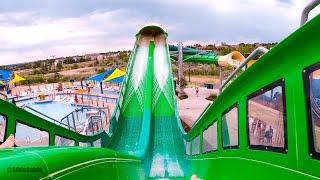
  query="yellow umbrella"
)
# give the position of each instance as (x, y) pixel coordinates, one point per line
(17, 78)
(1, 82)
(115, 74)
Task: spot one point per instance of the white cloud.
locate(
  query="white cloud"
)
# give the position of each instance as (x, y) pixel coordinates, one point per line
(61, 37)
(30, 35)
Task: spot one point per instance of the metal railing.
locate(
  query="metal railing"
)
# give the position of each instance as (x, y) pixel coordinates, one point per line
(3, 96)
(90, 99)
(77, 119)
(255, 53)
(306, 11)
(93, 125)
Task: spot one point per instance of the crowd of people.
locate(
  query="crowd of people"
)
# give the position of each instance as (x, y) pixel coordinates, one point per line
(261, 132)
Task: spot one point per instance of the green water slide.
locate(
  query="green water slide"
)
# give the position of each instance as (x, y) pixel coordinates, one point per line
(194, 55)
(148, 125)
(233, 59)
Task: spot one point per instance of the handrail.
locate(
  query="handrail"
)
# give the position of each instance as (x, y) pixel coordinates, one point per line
(100, 110)
(306, 11)
(81, 94)
(258, 51)
(86, 123)
(4, 95)
(68, 115)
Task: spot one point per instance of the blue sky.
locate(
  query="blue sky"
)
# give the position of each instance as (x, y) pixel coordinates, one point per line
(36, 29)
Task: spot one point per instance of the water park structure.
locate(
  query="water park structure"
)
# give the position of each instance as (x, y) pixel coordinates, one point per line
(264, 123)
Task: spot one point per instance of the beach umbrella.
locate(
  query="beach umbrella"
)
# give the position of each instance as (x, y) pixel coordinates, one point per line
(116, 76)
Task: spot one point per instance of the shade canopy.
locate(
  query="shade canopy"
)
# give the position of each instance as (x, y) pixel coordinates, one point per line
(5, 75)
(17, 78)
(9, 77)
(116, 76)
(117, 80)
(100, 77)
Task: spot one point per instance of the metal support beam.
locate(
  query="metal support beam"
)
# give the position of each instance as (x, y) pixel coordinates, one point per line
(189, 71)
(101, 89)
(180, 64)
(220, 76)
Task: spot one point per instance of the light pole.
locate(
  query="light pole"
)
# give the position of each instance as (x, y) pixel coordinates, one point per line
(180, 64)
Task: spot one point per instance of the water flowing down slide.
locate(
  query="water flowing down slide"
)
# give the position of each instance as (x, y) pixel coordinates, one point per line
(148, 125)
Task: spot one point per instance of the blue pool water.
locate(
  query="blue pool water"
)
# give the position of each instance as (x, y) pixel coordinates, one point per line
(55, 110)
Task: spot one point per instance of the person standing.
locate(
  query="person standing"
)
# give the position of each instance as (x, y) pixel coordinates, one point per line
(76, 100)
(262, 132)
(197, 91)
(88, 88)
(269, 135)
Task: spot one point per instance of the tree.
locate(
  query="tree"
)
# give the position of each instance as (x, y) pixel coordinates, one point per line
(59, 66)
(69, 60)
(36, 71)
(38, 79)
(83, 59)
(123, 56)
(75, 66)
(44, 68)
(56, 76)
(37, 64)
(101, 70)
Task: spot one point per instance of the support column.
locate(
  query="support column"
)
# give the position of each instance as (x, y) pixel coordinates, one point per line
(180, 64)
(189, 72)
(101, 88)
(220, 75)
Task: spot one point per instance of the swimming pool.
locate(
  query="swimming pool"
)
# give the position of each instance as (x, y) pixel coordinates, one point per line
(54, 109)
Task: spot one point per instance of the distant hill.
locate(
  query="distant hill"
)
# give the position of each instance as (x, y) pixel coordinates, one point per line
(77, 67)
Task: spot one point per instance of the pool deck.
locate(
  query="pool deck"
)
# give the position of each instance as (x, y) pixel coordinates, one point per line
(189, 109)
(192, 107)
(23, 89)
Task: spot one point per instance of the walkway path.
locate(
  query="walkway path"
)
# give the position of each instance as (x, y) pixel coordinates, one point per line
(192, 107)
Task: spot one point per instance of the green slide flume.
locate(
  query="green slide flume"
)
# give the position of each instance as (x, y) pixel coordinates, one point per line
(148, 126)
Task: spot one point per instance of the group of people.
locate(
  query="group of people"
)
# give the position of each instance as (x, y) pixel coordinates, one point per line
(259, 129)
